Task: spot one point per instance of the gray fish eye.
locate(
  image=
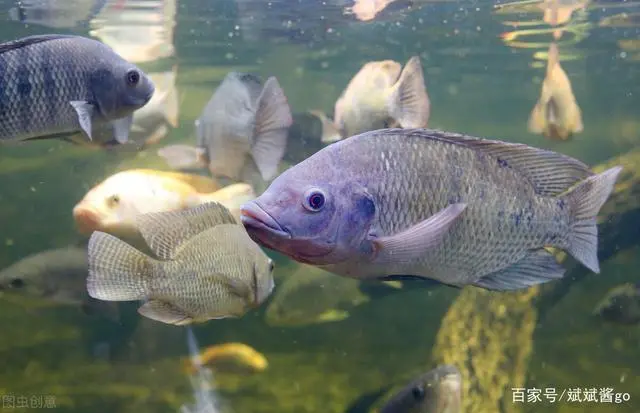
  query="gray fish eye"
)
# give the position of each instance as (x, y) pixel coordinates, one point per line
(133, 77)
(418, 392)
(314, 200)
(16, 283)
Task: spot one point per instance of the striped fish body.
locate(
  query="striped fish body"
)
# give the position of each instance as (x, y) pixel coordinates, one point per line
(51, 84)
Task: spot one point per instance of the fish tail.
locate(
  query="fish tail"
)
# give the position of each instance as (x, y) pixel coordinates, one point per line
(117, 271)
(585, 201)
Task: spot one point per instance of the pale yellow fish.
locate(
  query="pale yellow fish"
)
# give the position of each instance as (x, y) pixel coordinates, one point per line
(556, 115)
(382, 94)
(557, 12)
(112, 205)
(232, 197)
(230, 356)
(367, 10)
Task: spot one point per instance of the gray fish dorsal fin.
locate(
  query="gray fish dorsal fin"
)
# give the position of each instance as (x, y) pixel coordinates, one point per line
(29, 40)
(550, 173)
(166, 232)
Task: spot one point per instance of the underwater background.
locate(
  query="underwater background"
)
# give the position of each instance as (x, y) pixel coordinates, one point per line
(478, 83)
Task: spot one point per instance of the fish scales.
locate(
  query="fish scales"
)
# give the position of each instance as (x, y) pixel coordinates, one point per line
(53, 82)
(36, 96)
(411, 178)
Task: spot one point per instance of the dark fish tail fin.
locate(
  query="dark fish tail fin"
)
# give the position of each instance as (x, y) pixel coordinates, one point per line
(117, 271)
(585, 201)
(409, 102)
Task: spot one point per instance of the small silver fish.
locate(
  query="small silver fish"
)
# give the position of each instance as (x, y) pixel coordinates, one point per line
(242, 117)
(207, 267)
(437, 391)
(57, 276)
(431, 204)
(54, 86)
(382, 94)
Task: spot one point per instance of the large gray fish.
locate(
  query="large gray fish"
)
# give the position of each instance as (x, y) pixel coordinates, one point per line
(54, 86)
(425, 203)
(241, 118)
(207, 267)
(57, 276)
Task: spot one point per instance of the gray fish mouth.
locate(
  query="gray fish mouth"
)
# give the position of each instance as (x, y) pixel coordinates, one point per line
(253, 216)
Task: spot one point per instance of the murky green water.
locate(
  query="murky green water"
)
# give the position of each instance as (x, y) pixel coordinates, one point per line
(477, 83)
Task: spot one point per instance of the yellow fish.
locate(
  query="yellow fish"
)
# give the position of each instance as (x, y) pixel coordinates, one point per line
(113, 205)
(230, 357)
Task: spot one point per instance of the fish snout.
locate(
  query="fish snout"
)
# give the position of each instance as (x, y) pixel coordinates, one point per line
(253, 216)
(87, 220)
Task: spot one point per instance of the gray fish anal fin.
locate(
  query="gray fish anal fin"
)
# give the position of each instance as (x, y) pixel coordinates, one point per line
(164, 312)
(409, 103)
(85, 112)
(121, 128)
(550, 173)
(537, 267)
(30, 40)
(166, 232)
(415, 241)
(273, 119)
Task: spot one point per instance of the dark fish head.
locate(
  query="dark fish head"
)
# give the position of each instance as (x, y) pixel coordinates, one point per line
(119, 87)
(437, 391)
(311, 212)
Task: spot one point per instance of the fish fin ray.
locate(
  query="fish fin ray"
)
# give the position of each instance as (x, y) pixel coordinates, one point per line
(585, 201)
(165, 313)
(183, 156)
(85, 112)
(121, 128)
(536, 267)
(166, 232)
(550, 173)
(415, 241)
(537, 122)
(409, 103)
(273, 119)
(31, 40)
(117, 271)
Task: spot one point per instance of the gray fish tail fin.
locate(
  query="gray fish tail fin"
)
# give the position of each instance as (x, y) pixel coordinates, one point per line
(409, 102)
(117, 271)
(585, 201)
(273, 119)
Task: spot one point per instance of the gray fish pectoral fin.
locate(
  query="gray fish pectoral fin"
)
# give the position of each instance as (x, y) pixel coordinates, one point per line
(414, 242)
(121, 128)
(85, 112)
(273, 119)
(164, 312)
(409, 103)
(536, 267)
(183, 156)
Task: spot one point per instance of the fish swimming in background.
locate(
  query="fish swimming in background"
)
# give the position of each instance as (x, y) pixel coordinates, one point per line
(206, 268)
(242, 118)
(382, 94)
(230, 357)
(113, 205)
(54, 86)
(57, 14)
(556, 115)
(151, 123)
(57, 276)
(437, 391)
(402, 203)
(621, 304)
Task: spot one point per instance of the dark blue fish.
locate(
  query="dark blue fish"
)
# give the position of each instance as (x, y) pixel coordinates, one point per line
(55, 86)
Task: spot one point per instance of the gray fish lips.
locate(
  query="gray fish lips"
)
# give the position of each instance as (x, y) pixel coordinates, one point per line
(253, 216)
